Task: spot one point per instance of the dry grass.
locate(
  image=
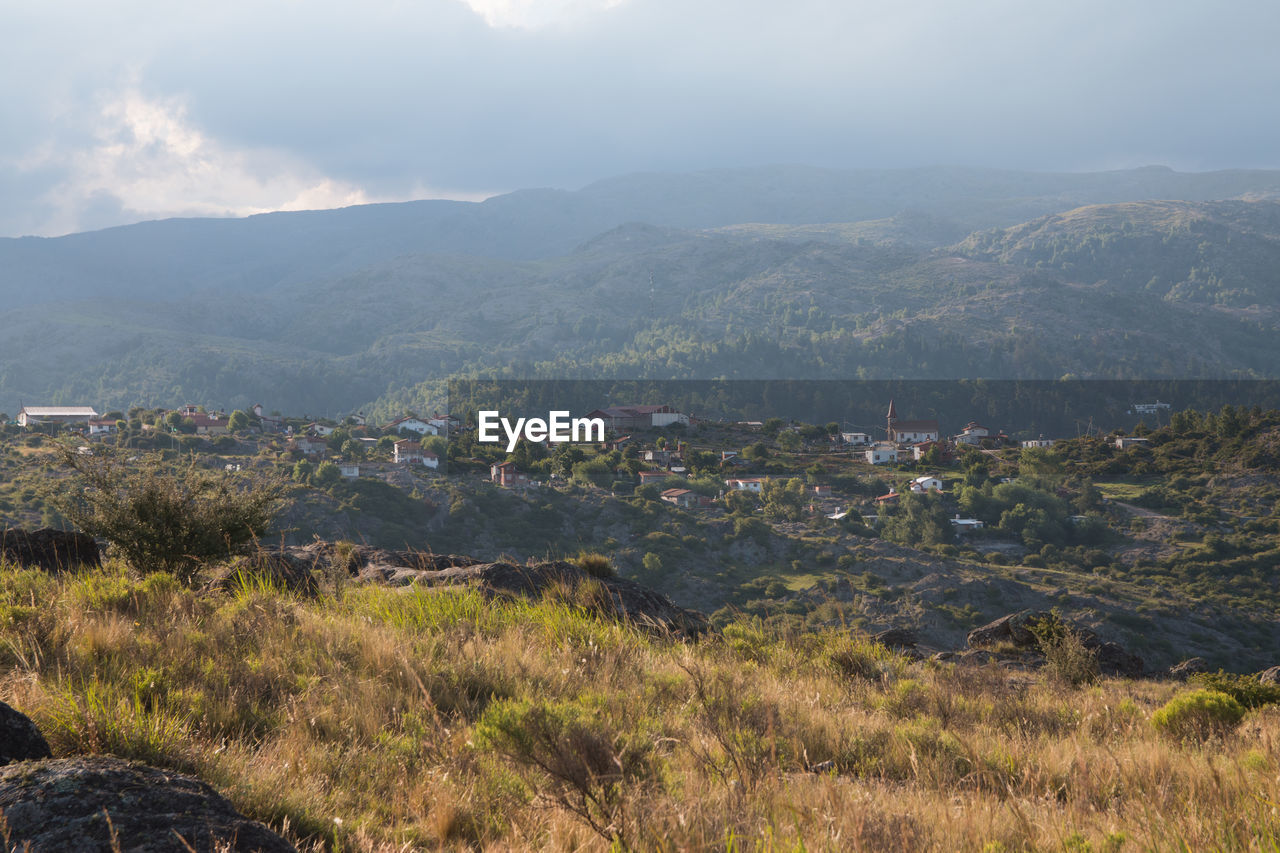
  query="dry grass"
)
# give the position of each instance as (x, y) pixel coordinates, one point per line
(395, 720)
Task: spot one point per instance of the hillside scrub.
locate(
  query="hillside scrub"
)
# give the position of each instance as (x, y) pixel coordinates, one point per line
(419, 719)
(166, 518)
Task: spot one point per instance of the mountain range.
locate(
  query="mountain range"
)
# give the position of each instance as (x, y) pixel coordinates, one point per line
(774, 272)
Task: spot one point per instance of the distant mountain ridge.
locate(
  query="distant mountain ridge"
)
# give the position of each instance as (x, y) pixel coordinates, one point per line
(944, 275)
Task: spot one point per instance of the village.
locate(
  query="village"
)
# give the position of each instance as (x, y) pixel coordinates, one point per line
(693, 463)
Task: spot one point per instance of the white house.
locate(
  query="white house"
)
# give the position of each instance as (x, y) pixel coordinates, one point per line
(412, 424)
(926, 484)
(746, 484)
(1126, 441)
(972, 434)
(965, 525)
(101, 427)
(31, 415)
(1040, 442)
(408, 451)
(858, 439)
(882, 454)
(350, 470)
(320, 430)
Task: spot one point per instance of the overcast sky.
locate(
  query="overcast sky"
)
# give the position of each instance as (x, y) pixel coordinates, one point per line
(139, 109)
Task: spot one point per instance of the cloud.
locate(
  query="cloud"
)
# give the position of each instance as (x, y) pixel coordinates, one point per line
(537, 14)
(145, 159)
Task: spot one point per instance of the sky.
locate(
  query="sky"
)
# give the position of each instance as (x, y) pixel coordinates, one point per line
(143, 109)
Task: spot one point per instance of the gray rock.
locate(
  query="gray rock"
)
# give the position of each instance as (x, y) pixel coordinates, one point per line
(1114, 659)
(1014, 628)
(1270, 676)
(49, 549)
(1189, 667)
(20, 740)
(100, 803)
(897, 638)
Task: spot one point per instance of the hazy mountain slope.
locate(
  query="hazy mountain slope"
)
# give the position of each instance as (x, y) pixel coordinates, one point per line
(181, 256)
(1115, 291)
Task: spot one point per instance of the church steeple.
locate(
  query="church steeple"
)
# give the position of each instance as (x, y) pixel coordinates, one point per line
(890, 418)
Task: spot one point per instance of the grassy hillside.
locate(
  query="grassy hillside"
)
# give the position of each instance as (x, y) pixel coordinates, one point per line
(390, 719)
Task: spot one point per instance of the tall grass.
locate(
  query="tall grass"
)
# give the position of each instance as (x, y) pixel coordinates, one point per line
(401, 719)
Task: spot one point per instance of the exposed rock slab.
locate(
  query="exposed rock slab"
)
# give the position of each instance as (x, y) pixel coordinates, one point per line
(20, 740)
(49, 549)
(100, 803)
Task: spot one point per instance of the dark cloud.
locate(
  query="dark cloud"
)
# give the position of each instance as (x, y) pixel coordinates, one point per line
(391, 97)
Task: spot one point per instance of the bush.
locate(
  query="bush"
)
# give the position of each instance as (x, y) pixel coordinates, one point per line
(1068, 657)
(1245, 689)
(1199, 715)
(597, 565)
(162, 518)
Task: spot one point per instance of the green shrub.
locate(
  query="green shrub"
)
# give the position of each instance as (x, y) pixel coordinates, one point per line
(597, 565)
(1068, 657)
(1198, 715)
(1245, 689)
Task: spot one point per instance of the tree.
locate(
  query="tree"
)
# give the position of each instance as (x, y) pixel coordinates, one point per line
(166, 518)
(238, 422)
(326, 475)
(784, 499)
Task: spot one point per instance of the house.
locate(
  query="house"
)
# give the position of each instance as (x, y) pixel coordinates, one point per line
(627, 418)
(921, 485)
(661, 457)
(967, 525)
(882, 454)
(617, 443)
(909, 432)
(33, 415)
(444, 423)
(210, 424)
(349, 470)
(823, 491)
(892, 497)
(1124, 442)
(1150, 408)
(857, 439)
(972, 434)
(726, 455)
(506, 475)
(919, 451)
(411, 423)
(408, 451)
(653, 476)
(320, 429)
(1038, 442)
(99, 426)
(309, 445)
(755, 485)
(680, 497)
(270, 423)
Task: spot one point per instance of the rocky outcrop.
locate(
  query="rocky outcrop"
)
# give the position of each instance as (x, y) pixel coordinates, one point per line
(1016, 628)
(100, 803)
(1270, 676)
(49, 549)
(615, 597)
(303, 567)
(1189, 667)
(897, 638)
(20, 740)
(1019, 630)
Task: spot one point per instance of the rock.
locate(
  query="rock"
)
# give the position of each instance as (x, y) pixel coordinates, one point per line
(64, 804)
(1270, 676)
(1114, 659)
(1014, 628)
(278, 569)
(49, 549)
(20, 740)
(620, 598)
(897, 638)
(975, 657)
(1189, 667)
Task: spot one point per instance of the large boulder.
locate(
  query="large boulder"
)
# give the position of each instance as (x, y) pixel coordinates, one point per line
(1270, 676)
(1114, 659)
(1189, 667)
(20, 740)
(1015, 628)
(101, 803)
(49, 549)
